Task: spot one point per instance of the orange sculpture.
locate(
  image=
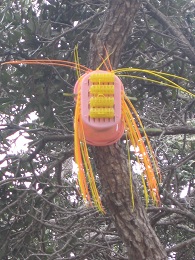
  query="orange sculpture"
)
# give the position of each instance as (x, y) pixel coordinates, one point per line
(103, 113)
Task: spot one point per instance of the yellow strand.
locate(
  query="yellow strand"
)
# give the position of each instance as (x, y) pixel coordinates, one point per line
(130, 173)
(76, 59)
(104, 61)
(145, 190)
(108, 55)
(149, 71)
(157, 75)
(150, 80)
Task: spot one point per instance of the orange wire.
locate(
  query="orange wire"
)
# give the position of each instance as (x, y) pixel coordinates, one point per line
(136, 139)
(60, 63)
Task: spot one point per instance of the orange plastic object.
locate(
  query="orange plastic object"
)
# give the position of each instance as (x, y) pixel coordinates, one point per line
(101, 114)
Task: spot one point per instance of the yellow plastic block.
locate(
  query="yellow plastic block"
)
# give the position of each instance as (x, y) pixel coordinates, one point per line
(101, 102)
(101, 112)
(102, 90)
(102, 77)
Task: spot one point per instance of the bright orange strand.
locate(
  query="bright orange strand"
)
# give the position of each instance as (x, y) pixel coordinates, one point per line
(155, 163)
(134, 141)
(78, 157)
(59, 63)
(137, 141)
(83, 161)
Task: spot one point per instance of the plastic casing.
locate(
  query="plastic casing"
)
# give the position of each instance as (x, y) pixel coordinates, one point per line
(100, 131)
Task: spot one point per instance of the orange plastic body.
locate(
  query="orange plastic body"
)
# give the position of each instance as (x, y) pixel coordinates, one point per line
(101, 114)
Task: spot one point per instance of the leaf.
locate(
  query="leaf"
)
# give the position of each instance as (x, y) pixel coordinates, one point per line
(5, 100)
(45, 29)
(33, 24)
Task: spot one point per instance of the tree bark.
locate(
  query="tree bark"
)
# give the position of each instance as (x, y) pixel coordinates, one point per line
(113, 32)
(132, 224)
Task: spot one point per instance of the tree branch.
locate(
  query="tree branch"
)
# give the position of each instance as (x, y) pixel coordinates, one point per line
(182, 41)
(177, 247)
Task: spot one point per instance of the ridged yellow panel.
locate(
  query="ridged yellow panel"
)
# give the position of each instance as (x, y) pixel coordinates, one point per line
(101, 112)
(102, 90)
(102, 102)
(102, 77)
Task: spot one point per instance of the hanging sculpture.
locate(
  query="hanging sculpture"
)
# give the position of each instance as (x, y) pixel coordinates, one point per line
(103, 113)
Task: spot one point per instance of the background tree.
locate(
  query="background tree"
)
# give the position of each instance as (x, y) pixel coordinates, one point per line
(42, 214)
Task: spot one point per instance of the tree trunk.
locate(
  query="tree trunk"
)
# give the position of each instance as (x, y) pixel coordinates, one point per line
(113, 32)
(133, 225)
